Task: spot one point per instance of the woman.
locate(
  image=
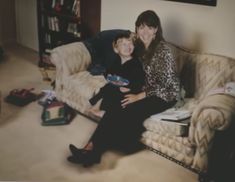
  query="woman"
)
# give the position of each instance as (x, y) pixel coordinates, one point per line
(122, 128)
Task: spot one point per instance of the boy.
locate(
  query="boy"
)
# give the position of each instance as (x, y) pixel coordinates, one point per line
(127, 67)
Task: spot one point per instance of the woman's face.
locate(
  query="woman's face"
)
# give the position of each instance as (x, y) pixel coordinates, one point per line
(146, 34)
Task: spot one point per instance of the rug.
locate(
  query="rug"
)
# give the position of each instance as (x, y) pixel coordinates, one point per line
(32, 152)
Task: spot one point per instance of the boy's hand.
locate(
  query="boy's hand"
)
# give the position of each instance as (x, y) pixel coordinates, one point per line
(124, 89)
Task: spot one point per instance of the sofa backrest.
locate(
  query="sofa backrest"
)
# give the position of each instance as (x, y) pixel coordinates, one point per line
(101, 49)
(200, 72)
(186, 69)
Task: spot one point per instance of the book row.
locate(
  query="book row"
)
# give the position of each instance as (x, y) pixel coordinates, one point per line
(63, 6)
(55, 24)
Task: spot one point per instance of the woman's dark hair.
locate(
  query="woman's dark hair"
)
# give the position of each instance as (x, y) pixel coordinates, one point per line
(151, 19)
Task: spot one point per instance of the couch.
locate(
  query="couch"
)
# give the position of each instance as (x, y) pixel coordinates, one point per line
(199, 74)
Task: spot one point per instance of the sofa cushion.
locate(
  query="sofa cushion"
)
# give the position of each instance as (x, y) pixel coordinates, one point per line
(170, 127)
(185, 64)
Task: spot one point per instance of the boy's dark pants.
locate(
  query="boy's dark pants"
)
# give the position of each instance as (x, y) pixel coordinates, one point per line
(111, 96)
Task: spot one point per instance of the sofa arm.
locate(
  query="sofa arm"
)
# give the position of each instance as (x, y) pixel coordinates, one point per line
(70, 58)
(215, 112)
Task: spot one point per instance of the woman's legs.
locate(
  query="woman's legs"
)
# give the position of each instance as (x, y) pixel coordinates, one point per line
(123, 128)
(111, 98)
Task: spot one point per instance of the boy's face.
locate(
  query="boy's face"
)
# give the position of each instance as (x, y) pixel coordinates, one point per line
(124, 47)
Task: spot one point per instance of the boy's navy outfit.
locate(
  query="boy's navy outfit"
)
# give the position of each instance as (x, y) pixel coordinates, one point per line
(132, 71)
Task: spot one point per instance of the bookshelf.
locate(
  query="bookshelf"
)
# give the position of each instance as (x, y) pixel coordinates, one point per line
(65, 21)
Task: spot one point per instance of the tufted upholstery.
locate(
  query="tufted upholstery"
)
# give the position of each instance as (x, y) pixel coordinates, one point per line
(199, 74)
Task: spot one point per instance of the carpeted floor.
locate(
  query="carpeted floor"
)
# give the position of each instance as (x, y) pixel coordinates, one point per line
(31, 152)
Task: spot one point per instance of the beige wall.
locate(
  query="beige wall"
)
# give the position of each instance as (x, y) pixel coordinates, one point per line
(26, 23)
(7, 21)
(210, 29)
(206, 28)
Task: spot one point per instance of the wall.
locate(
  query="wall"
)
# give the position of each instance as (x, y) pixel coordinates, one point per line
(26, 23)
(7, 21)
(206, 28)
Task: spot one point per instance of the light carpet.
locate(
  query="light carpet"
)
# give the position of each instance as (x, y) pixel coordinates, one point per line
(32, 152)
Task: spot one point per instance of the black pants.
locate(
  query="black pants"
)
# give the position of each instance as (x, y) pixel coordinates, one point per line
(122, 128)
(111, 96)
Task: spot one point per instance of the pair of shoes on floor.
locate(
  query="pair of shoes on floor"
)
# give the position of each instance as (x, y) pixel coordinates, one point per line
(82, 156)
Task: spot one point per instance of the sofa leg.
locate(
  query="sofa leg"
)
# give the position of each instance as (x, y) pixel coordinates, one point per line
(204, 177)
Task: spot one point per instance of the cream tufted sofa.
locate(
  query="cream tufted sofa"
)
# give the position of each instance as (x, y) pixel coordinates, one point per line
(199, 74)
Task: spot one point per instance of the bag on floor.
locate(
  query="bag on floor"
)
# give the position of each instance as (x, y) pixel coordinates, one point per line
(56, 113)
(21, 97)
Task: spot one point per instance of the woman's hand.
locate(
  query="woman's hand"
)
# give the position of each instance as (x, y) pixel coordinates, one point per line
(130, 98)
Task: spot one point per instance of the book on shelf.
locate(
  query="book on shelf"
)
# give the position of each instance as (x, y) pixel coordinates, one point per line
(62, 2)
(173, 115)
(56, 24)
(184, 122)
(53, 23)
(68, 6)
(47, 38)
(73, 28)
(76, 8)
(53, 3)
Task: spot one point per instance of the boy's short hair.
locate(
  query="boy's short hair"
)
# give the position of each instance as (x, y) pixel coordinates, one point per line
(125, 35)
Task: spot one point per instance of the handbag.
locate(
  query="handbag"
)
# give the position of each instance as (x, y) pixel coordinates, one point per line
(21, 97)
(56, 113)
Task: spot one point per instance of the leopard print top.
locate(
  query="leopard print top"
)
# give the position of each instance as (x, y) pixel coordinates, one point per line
(161, 78)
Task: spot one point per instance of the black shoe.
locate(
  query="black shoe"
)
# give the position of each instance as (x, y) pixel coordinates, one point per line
(74, 160)
(75, 151)
(96, 98)
(87, 158)
(91, 158)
